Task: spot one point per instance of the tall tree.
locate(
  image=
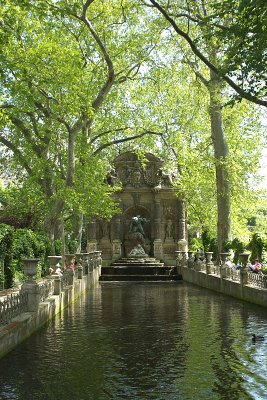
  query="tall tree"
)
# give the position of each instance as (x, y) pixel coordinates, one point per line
(252, 71)
(58, 68)
(194, 19)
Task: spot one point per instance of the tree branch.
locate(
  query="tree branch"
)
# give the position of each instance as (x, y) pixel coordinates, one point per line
(16, 151)
(96, 104)
(111, 143)
(211, 66)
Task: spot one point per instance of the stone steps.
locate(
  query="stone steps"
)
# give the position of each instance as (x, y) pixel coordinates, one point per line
(147, 269)
(139, 278)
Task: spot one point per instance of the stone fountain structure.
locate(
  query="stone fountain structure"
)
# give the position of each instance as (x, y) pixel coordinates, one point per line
(152, 216)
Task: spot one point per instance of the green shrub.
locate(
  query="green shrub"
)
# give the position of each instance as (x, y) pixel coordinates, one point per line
(256, 246)
(6, 253)
(16, 244)
(237, 247)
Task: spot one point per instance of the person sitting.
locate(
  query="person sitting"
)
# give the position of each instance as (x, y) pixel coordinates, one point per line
(250, 267)
(257, 267)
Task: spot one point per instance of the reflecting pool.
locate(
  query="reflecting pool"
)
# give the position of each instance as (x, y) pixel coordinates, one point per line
(163, 341)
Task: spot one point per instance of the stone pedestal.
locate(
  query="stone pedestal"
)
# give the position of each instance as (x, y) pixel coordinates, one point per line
(106, 248)
(57, 284)
(33, 295)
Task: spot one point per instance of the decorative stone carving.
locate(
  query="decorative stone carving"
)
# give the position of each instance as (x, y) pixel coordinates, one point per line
(168, 229)
(164, 178)
(138, 252)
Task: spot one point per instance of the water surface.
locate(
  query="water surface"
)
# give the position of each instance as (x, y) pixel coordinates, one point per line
(163, 341)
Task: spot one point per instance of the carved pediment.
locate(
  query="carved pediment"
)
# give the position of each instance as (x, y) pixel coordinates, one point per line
(132, 172)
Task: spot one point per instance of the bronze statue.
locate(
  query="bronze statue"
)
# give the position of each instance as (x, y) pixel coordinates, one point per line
(137, 225)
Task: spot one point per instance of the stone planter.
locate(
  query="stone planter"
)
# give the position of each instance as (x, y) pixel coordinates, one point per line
(244, 258)
(54, 262)
(209, 263)
(30, 267)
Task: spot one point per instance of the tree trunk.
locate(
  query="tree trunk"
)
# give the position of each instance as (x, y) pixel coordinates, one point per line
(53, 221)
(77, 231)
(222, 176)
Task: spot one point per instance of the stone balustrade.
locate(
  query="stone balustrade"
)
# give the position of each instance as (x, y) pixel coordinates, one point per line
(12, 306)
(33, 293)
(38, 301)
(221, 269)
(222, 277)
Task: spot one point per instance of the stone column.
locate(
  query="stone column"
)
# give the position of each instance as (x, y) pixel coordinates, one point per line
(158, 248)
(182, 231)
(92, 242)
(116, 228)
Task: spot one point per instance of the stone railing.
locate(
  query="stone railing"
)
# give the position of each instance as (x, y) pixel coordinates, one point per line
(46, 289)
(33, 292)
(257, 280)
(199, 263)
(12, 306)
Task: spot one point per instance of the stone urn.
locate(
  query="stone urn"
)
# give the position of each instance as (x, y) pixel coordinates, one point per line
(244, 258)
(54, 261)
(209, 263)
(29, 266)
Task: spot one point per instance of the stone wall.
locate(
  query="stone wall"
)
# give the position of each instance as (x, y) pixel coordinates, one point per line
(24, 325)
(226, 286)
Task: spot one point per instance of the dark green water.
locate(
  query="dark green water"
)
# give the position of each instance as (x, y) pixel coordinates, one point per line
(163, 341)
